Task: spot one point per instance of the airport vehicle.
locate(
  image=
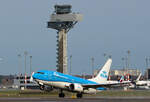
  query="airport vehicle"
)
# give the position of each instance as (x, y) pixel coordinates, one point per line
(74, 84)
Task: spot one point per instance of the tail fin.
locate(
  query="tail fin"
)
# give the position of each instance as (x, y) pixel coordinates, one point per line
(31, 78)
(121, 79)
(102, 76)
(139, 77)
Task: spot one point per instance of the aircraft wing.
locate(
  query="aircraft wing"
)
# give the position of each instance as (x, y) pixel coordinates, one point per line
(141, 84)
(108, 85)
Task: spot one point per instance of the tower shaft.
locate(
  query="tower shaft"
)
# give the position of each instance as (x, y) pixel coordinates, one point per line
(62, 52)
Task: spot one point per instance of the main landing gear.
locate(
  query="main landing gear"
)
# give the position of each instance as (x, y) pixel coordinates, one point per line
(79, 95)
(61, 94)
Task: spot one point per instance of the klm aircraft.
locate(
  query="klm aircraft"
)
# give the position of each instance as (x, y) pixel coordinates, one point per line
(74, 84)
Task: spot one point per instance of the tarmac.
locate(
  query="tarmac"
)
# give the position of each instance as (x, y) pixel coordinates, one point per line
(85, 99)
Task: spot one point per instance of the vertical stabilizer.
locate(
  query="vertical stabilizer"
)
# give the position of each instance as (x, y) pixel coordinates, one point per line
(102, 76)
(139, 77)
(121, 79)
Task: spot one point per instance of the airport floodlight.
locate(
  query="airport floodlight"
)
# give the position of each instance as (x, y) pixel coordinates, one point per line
(25, 66)
(30, 65)
(63, 20)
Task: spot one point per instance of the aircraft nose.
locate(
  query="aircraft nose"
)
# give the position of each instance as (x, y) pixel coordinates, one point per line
(35, 75)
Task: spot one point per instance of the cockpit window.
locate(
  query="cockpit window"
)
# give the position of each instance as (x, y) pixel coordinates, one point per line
(40, 72)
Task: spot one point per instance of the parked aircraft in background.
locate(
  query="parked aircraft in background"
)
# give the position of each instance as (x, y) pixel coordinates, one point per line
(114, 81)
(140, 84)
(74, 84)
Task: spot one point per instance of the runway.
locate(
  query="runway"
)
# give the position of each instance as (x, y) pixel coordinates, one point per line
(86, 99)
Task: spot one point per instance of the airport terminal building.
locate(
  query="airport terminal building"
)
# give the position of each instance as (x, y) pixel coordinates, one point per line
(120, 72)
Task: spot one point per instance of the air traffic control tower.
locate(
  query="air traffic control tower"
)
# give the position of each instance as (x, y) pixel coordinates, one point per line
(63, 20)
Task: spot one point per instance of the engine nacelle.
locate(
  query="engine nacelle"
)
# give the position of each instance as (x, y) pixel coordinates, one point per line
(90, 91)
(76, 87)
(46, 88)
(42, 87)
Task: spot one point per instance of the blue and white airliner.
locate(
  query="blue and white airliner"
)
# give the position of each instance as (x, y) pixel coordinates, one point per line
(74, 84)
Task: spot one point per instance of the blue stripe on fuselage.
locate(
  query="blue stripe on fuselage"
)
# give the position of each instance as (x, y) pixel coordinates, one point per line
(60, 77)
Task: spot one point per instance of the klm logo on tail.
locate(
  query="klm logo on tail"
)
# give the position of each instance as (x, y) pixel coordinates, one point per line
(104, 74)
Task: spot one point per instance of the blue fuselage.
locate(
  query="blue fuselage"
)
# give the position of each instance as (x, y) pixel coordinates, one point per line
(53, 76)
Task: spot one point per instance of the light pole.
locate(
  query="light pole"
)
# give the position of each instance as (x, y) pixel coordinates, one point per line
(30, 65)
(128, 63)
(147, 59)
(128, 58)
(19, 67)
(25, 57)
(19, 63)
(123, 62)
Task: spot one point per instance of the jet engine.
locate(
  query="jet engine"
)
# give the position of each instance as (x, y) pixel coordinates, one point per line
(46, 88)
(90, 91)
(76, 87)
(42, 87)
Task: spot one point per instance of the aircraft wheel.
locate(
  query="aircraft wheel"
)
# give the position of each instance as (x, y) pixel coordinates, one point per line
(61, 95)
(79, 95)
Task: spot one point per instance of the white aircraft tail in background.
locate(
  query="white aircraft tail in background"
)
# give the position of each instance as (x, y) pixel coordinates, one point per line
(102, 76)
(139, 77)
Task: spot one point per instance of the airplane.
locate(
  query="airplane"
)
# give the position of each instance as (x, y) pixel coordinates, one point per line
(74, 84)
(114, 81)
(138, 84)
(141, 84)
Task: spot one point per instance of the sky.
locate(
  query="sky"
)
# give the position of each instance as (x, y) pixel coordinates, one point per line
(108, 26)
